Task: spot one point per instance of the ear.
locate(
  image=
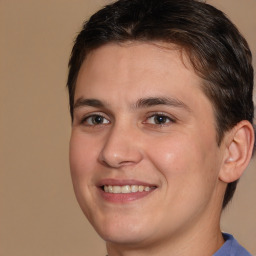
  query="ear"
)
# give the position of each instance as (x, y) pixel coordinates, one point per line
(238, 147)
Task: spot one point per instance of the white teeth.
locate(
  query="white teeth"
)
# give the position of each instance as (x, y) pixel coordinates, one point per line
(126, 189)
(117, 189)
(134, 188)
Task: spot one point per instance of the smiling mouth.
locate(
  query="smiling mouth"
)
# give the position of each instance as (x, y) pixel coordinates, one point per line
(127, 189)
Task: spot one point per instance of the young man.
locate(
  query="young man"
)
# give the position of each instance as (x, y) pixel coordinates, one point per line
(162, 110)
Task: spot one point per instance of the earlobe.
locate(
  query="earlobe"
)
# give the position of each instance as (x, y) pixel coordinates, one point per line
(238, 151)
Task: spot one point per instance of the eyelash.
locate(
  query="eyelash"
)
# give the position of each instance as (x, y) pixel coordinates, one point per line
(86, 118)
(165, 117)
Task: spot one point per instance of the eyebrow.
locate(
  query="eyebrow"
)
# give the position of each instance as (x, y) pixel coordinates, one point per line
(82, 102)
(154, 101)
(140, 103)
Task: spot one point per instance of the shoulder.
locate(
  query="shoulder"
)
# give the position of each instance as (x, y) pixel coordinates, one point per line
(231, 247)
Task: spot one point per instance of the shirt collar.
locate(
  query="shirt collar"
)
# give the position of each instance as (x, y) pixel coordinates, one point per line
(231, 247)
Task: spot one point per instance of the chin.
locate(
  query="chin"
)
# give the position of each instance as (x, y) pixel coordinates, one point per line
(122, 230)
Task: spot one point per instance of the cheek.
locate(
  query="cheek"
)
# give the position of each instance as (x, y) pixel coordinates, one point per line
(185, 160)
(82, 156)
(189, 174)
(173, 155)
(82, 163)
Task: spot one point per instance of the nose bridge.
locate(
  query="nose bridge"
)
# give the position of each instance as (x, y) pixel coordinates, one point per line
(121, 146)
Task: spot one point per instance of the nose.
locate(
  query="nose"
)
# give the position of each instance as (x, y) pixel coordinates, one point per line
(121, 148)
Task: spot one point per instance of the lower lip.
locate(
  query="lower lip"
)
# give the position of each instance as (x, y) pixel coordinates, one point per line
(124, 197)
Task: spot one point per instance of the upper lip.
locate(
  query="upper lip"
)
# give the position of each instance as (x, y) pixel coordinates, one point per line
(123, 182)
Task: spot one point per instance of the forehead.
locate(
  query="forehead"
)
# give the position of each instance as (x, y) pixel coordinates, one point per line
(121, 75)
(137, 65)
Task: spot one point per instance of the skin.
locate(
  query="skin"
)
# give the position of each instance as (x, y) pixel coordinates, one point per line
(180, 156)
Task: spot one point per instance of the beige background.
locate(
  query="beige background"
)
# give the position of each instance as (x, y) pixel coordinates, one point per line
(38, 212)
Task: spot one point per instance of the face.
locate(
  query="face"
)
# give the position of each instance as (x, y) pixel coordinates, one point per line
(143, 152)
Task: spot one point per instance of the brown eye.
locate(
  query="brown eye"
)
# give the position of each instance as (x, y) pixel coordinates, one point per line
(159, 119)
(95, 120)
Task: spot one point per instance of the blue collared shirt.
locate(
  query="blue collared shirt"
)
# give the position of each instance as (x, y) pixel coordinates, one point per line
(231, 247)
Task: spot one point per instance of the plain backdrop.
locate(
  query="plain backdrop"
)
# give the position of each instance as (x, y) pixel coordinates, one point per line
(39, 215)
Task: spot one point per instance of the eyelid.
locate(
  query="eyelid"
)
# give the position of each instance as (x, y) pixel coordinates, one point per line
(170, 117)
(92, 114)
